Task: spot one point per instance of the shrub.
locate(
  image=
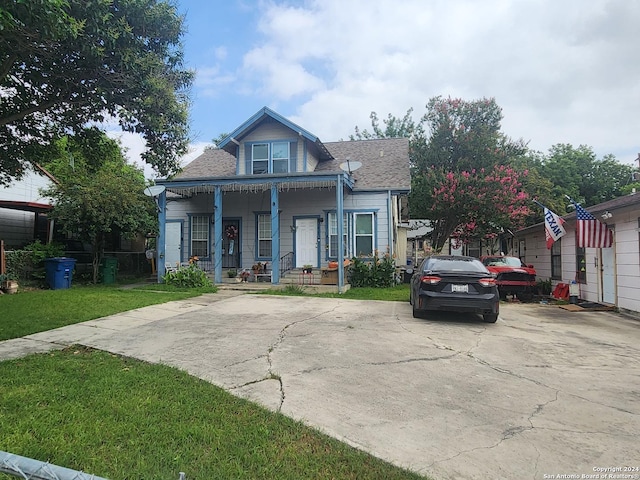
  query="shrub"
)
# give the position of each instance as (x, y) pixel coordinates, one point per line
(27, 264)
(376, 272)
(188, 277)
(544, 286)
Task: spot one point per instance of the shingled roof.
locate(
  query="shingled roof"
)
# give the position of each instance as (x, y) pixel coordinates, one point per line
(385, 163)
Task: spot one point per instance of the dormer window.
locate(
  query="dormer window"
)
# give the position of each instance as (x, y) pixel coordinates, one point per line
(260, 158)
(272, 157)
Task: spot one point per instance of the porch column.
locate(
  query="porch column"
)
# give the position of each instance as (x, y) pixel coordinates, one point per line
(340, 222)
(275, 235)
(161, 239)
(217, 234)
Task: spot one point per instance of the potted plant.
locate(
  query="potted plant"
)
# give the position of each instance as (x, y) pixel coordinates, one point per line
(232, 272)
(8, 283)
(308, 268)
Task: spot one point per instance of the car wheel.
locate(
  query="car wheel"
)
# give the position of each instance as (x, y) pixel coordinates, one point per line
(525, 297)
(503, 295)
(490, 317)
(416, 313)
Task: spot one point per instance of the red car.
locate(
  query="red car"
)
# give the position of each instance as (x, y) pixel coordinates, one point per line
(512, 277)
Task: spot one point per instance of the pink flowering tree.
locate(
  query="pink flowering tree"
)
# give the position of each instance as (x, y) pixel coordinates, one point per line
(476, 204)
(463, 178)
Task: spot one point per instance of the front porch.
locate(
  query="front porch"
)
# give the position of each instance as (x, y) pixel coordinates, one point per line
(243, 224)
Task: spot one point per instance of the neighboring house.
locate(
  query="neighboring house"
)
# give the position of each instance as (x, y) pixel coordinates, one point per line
(417, 240)
(23, 211)
(273, 192)
(604, 275)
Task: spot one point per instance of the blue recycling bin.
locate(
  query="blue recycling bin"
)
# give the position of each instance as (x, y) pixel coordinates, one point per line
(59, 272)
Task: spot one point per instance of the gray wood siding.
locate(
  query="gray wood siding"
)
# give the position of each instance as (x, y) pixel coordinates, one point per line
(301, 203)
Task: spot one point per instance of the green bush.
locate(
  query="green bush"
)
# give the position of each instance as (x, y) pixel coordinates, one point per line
(188, 277)
(27, 264)
(375, 272)
(544, 286)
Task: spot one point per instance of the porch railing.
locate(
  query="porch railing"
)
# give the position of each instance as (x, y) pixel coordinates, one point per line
(286, 263)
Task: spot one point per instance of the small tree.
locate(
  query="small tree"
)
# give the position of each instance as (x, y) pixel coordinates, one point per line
(95, 197)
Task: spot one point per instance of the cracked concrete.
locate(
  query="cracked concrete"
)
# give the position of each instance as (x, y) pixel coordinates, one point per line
(542, 391)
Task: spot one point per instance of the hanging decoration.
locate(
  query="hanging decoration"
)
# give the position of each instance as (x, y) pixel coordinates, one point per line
(232, 232)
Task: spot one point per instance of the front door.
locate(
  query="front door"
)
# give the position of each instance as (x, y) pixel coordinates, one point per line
(231, 244)
(608, 276)
(172, 244)
(306, 242)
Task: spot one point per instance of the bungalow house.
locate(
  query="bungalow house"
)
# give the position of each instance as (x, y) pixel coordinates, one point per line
(603, 275)
(272, 193)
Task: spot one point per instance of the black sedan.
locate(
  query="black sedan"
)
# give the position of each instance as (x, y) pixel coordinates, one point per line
(454, 284)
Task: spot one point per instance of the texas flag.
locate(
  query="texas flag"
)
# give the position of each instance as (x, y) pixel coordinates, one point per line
(553, 228)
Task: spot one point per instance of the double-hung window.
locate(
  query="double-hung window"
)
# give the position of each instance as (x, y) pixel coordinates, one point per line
(358, 230)
(264, 235)
(556, 260)
(280, 157)
(271, 157)
(363, 234)
(581, 265)
(260, 158)
(333, 235)
(200, 236)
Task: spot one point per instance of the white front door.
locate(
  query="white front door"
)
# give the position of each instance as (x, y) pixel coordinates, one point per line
(608, 276)
(172, 244)
(306, 242)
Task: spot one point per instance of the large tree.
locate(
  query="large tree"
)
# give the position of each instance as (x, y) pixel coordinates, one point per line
(99, 192)
(462, 179)
(64, 63)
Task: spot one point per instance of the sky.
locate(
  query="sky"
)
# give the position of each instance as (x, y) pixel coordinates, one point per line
(562, 71)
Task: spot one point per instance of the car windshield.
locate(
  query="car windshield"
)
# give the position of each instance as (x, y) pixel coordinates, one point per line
(454, 265)
(502, 262)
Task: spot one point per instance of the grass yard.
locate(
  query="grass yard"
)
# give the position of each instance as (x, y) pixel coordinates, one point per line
(123, 419)
(35, 311)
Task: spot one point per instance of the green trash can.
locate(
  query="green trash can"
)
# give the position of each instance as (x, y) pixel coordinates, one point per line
(108, 267)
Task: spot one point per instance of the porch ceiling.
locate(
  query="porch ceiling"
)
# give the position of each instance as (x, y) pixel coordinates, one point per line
(254, 184)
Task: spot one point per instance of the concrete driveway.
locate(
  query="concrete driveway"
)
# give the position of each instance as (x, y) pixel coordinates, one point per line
(541, 392)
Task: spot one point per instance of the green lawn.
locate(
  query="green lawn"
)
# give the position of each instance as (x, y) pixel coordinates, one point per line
(121, 418)
(39, 310)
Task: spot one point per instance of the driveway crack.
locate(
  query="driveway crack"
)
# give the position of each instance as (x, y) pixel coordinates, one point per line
(279, 340)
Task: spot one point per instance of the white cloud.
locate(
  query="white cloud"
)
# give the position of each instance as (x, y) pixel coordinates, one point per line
(134, 146)
(562, 71)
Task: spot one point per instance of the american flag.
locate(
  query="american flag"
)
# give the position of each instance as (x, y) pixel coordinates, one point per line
(591, 232)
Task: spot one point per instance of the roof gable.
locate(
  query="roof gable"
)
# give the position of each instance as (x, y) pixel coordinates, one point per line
(230, 142)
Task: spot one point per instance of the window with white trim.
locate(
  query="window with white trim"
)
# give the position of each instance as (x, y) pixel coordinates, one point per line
(264, 235)
(271, 157)
(200, 236)
(363, 234)
(556, 260)
(260, 158)
(333, 234)
(280, 157)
